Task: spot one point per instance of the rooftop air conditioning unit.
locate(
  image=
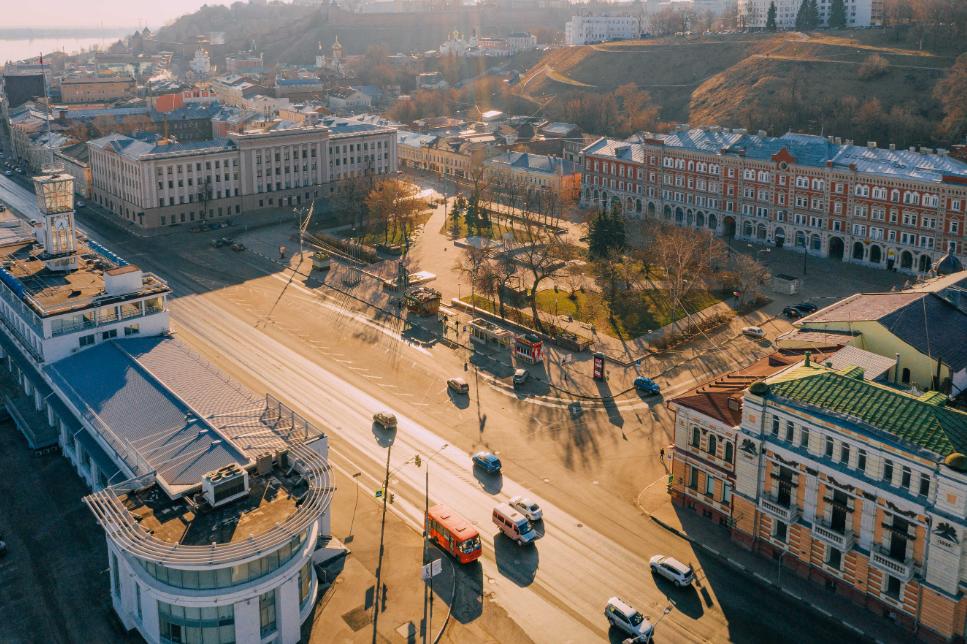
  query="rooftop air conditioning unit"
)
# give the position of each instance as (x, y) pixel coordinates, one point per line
(224, 484)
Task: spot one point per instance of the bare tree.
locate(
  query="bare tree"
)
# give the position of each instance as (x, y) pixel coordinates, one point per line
(686, 257)
(395, 206)
(750, 277)
(544, 256)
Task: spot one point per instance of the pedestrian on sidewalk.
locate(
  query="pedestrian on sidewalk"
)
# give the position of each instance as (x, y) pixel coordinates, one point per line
(661, 455)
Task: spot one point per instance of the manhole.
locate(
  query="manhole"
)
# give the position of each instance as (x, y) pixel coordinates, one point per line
(357, 618)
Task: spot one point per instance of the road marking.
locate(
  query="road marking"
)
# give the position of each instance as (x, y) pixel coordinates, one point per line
(343, 361)
(762, 577)
(372, 377)
(822, 611)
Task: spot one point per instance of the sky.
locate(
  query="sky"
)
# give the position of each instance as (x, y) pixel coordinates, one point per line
(107, 13)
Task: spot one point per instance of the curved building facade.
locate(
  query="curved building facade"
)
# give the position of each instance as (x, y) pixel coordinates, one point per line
(185, 571)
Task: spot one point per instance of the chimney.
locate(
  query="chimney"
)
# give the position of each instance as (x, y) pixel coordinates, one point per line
(808, 356)
(893, 146)
(762, 133)
(896, 372)
(871, 144)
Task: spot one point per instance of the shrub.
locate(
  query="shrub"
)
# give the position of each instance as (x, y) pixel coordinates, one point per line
(873, 67)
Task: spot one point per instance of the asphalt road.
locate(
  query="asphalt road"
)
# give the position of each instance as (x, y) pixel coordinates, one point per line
(338, 367)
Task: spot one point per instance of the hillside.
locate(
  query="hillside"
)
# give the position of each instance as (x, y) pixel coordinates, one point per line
(776, 82)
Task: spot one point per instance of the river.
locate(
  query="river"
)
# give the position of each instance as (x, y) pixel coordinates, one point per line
(17, 49)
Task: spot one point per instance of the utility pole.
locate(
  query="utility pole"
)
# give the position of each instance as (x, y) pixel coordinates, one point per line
(382, 532)
(427, 588)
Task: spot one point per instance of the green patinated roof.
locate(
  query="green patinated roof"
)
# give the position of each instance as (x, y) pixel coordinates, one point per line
(922, 421)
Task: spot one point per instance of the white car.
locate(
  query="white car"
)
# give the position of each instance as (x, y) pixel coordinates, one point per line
(672, 569)
(754, 332)
(526, 507)
(629, 621)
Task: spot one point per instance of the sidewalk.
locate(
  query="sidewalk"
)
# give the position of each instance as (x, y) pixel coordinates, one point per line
(711, 539)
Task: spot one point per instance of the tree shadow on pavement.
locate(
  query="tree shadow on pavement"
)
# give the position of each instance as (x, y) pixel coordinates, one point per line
(610, 404)
(466, 584)
(460, 401)
(516, 563)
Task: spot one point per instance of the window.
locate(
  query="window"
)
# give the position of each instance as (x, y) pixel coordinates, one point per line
(887, 470)
(775, 426)
(728, 455)
(696, 437)
(829, 447)
(693, 478)
(305, 583)
(709, 485)
(137, 599)
(712, 444)
(905, 477)
(779, 531)
(924, 485)
(109, 334)
(893, 587)
(861, 460)
(187, 625)
(86, 340)
(115, 576)
(844, 453)
(790, 428)
(804, 438)
(726, 493)
(132, 329)
(834, 557)
(267, 613)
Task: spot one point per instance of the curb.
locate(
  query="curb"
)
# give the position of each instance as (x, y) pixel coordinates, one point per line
(761, 579)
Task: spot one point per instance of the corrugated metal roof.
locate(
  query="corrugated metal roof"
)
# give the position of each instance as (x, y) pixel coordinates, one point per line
(131, 404)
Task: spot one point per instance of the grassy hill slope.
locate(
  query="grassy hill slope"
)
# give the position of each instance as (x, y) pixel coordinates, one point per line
(775, 82)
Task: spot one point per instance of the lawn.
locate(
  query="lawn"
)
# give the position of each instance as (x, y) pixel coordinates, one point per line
(635, 315)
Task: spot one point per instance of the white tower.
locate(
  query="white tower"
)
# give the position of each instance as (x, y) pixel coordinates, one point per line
(55, 199)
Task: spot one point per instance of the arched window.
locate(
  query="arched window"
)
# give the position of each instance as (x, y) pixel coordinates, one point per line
(696, 437)
(728, 451)
(712, 444)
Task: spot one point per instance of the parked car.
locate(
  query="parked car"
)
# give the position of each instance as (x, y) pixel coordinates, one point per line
(8, 173)
(672, 569)
(458, 385)
(2, 207)
(221, 241)
(647, 386)
(385, 419)
(754, 332)
(487, 461)
(628, 620)
(238, 247)
(806, 307)
(520, 376)
(79, 203)
(526, 507)
(792, 312)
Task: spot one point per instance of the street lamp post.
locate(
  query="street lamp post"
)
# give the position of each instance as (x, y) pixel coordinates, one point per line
(428, 588)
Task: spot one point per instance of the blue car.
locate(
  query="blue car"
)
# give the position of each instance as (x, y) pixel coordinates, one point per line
(647, 386)
(487, 461)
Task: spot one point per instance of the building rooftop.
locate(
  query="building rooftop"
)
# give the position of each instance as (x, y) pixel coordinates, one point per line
(138, 149)
(872, 364)
(533, 162)
(271, 499)
(926, 321)
(48, 292)
(919, 422)
(721, 398)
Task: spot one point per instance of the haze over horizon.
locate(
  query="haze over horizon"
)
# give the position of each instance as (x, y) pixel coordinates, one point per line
(122, 13)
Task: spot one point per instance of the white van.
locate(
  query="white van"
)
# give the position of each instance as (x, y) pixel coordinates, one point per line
(514, 524)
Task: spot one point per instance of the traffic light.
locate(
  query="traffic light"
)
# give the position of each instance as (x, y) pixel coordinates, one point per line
(417, 460)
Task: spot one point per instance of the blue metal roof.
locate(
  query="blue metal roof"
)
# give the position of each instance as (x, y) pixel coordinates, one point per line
(129, 404)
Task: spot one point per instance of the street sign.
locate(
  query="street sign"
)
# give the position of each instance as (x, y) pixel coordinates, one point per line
(379, 493)
(598, 366)
(431, 569)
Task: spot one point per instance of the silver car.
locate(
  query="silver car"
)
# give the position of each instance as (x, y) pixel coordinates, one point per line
(528, 508)
(673, 570)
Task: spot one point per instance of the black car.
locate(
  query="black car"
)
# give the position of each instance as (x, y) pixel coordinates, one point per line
(792, 312)
(807, 307)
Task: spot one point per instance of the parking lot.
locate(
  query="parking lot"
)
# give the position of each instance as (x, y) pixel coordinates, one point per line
(53, 579)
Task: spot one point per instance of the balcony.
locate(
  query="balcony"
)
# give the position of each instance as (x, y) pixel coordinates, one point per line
(769, 504)
(840, 540)
(881, 558)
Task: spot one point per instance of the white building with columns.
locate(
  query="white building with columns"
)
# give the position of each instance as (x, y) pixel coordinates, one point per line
(214, 501)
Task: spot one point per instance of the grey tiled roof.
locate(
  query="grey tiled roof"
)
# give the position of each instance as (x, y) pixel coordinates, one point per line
(934, 326)
(128, 402)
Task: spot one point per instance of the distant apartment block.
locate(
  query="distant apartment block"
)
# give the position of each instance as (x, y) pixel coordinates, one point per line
(753, 14)
(90, 89)
(157, 183)
(882, 207)
(583, 30)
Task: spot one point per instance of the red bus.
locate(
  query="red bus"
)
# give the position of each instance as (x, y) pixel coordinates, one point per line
(453, 533)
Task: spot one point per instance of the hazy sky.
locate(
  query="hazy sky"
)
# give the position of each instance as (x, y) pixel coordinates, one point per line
(109, 13)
